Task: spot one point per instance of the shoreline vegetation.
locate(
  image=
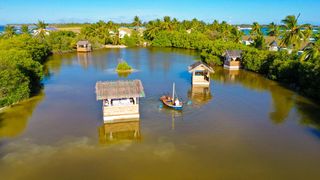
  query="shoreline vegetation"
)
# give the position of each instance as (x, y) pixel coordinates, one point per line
(22, 55)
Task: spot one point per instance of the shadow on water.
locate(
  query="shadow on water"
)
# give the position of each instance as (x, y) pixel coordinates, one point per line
(309, 113)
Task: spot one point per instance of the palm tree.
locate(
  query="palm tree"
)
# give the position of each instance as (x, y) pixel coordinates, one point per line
(308, 31)
(24, 29)
(256, 30)
(274, 30)
(311, 52)
(167, 25)
(153, 27)
(136, 21)
(237, 35)
(317, 36)
(294, 33)
(41, 29)
(115, 38)
(9, 31)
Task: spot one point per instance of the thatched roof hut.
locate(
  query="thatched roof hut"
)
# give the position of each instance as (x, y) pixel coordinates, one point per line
(84, 46)
(119, 89)
(120, 99)
(232, 59)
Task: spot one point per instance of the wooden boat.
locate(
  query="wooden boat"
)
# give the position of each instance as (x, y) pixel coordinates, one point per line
(172, 102)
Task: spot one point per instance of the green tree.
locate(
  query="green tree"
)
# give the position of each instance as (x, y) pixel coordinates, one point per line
(41, 30)
(293, 34)
(166, 24)
(9, 31)
(153, 28)
(136, 22)
(311, 52)
(308, 32)
(256, 30)
(25, 29)
(273, 30)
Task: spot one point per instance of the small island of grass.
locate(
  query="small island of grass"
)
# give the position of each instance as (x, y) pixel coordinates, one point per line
(123, 66)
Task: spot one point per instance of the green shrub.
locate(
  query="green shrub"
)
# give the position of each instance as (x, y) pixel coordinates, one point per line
(123, 66)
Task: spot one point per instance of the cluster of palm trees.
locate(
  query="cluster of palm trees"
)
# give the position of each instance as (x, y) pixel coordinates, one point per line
(215, 30)
(102, 32)
(40, 28)
(291, 34)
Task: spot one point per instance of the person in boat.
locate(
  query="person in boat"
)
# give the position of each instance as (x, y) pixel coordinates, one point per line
(177, 102)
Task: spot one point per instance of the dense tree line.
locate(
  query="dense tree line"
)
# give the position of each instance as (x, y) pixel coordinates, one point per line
(22, 56)
(298, 71)
(21, 70)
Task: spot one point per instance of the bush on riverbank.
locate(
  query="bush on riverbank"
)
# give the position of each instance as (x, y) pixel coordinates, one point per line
(21, 69)
(61, 41)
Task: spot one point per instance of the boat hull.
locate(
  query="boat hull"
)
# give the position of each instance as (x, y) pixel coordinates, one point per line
(166, 100)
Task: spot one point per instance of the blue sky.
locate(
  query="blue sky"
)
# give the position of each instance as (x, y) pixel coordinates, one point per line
(232, 11)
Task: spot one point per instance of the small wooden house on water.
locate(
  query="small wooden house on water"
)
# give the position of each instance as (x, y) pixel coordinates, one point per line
(120, 99)
(232, 59)
(84, 46)
(200, 73)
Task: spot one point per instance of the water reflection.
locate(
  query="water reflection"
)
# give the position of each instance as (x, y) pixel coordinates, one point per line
(123, 74)
(199, 95)
(84, 59)
(14, 120)
(120, 131)
(309, 113)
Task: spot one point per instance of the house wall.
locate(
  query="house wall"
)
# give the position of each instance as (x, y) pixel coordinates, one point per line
(111, 113)
(199, 80)
(83, 49)
(232, 65)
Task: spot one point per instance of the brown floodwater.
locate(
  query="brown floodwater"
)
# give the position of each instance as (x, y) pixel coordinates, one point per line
(242, 127)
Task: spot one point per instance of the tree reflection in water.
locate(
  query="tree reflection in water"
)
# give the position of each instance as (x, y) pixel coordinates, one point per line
(14, 120)
(283, 100)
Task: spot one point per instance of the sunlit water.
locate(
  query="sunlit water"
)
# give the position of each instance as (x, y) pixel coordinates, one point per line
(244, 127)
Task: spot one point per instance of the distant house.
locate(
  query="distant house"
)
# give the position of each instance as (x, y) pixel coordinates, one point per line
(232, 59)
(247, 40)
(273, 46)
(124, 31)
(46, 31)
(200, 73)
(84, 46)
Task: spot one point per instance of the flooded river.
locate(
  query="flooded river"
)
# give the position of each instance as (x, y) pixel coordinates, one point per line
(242, 127)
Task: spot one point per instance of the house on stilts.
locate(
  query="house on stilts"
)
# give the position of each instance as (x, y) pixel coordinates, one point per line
(120, 99)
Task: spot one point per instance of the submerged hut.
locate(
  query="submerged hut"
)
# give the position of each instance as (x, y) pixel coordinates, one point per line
(200, 73)
(120, 99)
(232, 59)
(83, 46)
